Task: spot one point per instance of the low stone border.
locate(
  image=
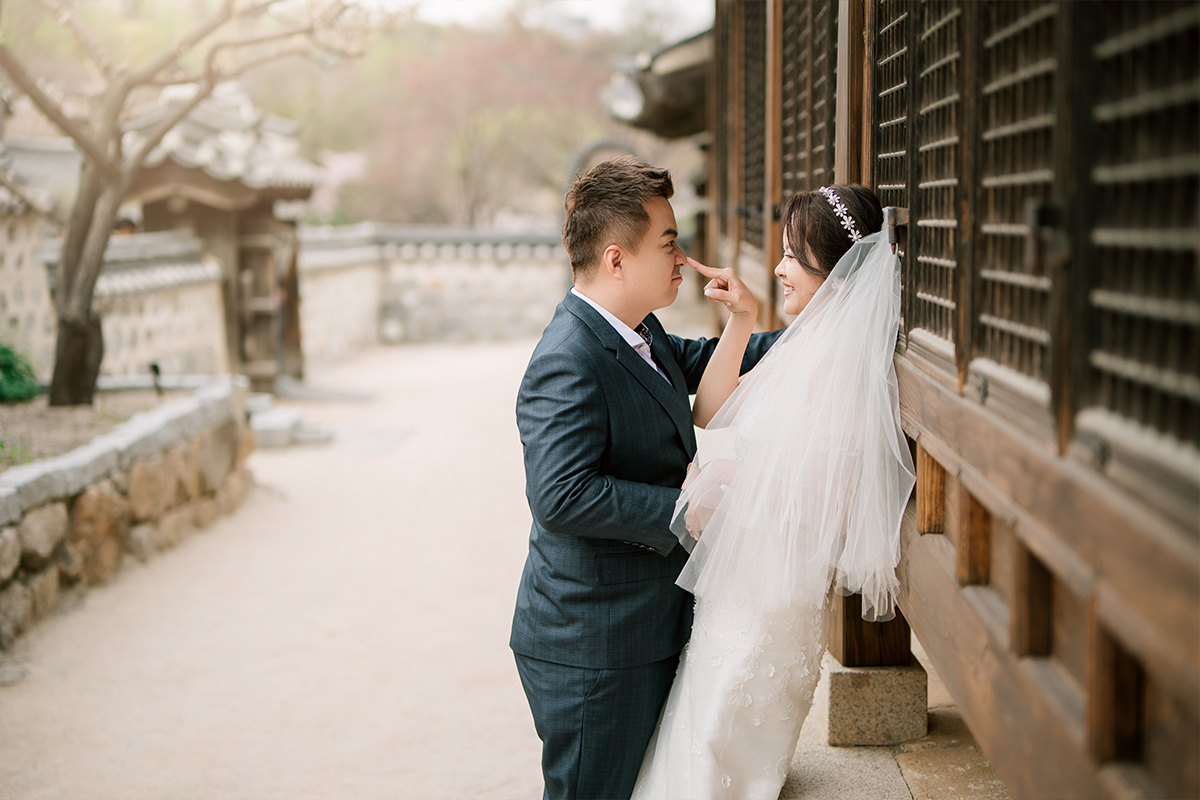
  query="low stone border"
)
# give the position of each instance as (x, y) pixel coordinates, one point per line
(67, 522)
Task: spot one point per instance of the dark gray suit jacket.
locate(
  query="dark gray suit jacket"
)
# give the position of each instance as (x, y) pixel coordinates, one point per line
(607, 442)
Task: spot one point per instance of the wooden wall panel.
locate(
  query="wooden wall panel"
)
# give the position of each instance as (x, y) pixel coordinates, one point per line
(1048, 156)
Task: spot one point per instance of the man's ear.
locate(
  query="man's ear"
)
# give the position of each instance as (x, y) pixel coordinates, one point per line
(612, 261)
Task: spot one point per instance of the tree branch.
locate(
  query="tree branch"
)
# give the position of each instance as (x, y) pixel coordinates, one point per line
(171, 54)
(91, 45)
(265, 58)
(48, 106)
(23, 194)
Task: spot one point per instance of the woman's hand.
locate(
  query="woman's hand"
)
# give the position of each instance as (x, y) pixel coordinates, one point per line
(706, 488)
(721, 375)
(725, 287)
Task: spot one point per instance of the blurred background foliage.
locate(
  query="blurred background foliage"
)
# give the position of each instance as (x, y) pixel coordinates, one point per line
(435, 124)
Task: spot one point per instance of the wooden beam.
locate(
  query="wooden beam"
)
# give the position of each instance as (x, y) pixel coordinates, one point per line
(866, 169)
(931, 493)
(1011, 710)
(969, 192)
(851, 52)
(1116, 697)
(973, 550)
(773, 122)
(1082, 521)
(857, 643)
(1032, 610)
(737, 125)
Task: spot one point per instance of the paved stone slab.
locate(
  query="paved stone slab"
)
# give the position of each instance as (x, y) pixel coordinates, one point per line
(948, 765)
(276, 427)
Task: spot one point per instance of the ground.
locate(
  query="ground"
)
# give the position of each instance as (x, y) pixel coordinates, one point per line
(33, 430)
(344, 635)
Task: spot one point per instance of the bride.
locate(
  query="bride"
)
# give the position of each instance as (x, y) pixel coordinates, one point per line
(797, 490)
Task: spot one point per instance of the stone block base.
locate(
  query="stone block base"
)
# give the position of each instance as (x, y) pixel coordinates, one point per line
(875, 705)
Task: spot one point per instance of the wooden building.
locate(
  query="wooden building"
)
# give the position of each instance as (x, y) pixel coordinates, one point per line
(1041, 159)
(229, 172)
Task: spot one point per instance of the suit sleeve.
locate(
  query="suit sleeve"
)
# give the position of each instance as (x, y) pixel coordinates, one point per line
(563, 419)
(693, 354)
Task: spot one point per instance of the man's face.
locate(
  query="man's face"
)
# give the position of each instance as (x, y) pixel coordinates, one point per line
(653, 274)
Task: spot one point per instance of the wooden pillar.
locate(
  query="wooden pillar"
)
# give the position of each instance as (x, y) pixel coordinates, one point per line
(852, 641)
(856, 643)
(773, 122)
(851, 75)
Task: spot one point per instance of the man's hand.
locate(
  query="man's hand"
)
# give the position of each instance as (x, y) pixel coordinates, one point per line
(725, 287)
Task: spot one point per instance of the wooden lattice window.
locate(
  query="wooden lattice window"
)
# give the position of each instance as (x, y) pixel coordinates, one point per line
(809, 82)
(754, 87)
(1018, 71)
(1144, 350)
(933, 305)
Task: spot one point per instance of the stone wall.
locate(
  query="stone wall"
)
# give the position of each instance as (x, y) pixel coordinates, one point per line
(341, 284)
(27, 322)
(67, 523)
(160, 300)
(160, 295)
(370, 283)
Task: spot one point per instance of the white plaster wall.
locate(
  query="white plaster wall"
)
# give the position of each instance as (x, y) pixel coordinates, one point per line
(27, 322)
(339, 310)
(182, 328)
(476, 301)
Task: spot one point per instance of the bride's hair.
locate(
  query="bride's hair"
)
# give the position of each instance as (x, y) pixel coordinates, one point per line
(810, 218)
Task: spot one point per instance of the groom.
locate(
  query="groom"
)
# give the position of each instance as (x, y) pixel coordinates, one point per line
(607, 430)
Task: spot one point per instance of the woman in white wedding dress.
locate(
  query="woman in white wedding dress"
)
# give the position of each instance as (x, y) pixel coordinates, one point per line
(796, 491)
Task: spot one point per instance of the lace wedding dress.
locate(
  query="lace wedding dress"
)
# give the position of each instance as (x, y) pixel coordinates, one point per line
(798, 487)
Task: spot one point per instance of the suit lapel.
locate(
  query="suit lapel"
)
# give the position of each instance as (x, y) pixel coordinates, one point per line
(673, 395)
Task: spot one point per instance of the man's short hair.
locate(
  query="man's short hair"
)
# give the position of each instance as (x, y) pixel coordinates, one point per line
(606, 206)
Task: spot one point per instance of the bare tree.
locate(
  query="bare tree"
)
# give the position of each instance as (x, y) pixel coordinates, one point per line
(238, 36)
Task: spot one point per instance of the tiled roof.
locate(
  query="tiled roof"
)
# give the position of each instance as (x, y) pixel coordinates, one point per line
(230, 139)
(146, 262)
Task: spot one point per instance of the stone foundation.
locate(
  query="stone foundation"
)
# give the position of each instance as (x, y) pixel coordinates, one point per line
(68, 522)
(875, 705)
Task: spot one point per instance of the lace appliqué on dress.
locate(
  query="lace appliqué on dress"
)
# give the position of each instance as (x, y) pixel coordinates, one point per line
(744, 687)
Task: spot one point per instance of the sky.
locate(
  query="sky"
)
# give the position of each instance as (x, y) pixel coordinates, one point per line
(681, 18)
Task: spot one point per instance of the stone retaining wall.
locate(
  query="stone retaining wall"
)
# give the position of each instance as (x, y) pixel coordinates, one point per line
(67, 523)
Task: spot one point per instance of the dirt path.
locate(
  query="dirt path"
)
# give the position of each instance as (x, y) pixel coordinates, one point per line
(343, 636)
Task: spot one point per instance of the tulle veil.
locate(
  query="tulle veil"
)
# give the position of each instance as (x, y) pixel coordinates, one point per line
(805, 470)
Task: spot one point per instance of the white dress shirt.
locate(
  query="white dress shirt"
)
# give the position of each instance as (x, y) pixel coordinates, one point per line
(631, 336)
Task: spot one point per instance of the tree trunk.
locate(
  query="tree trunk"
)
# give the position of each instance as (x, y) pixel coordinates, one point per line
(80, 339)
(77, 361)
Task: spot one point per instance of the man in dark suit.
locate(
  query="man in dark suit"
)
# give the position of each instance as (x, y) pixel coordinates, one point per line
(607, 432)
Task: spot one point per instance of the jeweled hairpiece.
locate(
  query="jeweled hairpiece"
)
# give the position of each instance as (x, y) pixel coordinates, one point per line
(843, 213)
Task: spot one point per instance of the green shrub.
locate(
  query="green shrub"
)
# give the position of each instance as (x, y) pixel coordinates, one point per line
(17, 382)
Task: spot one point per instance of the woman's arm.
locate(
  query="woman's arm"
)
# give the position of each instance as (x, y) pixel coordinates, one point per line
(721, 374)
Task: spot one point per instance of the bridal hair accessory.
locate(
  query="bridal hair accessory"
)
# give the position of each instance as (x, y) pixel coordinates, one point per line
(843, 213)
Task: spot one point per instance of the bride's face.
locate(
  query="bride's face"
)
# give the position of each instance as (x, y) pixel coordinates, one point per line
(799, 285)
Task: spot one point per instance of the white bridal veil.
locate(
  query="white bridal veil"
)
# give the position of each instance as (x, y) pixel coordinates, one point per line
(803, 475)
